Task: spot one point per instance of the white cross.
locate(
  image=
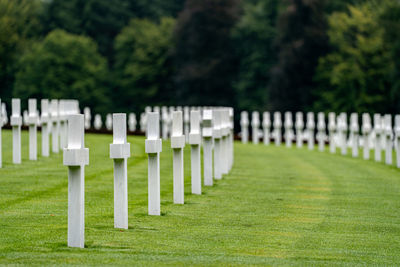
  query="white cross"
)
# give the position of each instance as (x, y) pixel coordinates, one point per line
(64, 107)
(397, 139)
(109, 122)
(1, 145)
(332, 130)
(342, 132)
(217, 118)
(299, 129)
(97, 122)
(165, 122)
(4, 116)
(388, 132)
(120, 151)
(224, 141)
(244, 124)
(310, 130)
(366, 131)
(45, 119)
(54, 125)
(231, 137)
(177, 144)
(207, 133)
(132, 122)
(321, 134)
(266, 123)
(153, 148)
(354, 129)
(16, 122)
(33, 120)
(288, 129)
(255, 124)
(25, 118)
(277, 128)
(88, 118)
(195, 142)
(378, 132)
(186, 121)
(76, 156)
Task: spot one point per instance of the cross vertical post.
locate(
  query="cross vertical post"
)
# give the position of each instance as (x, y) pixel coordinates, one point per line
(288, 128)
(366, 131)
(321, 134)
(277, 128)
(266, 123)
(310, 130)
(132, 122)
(88, 118)
(1, 142)
(217, 143)
(231, 138)
(244, 124)
(54, 126)
(342, 128)
(207, 133)
(354, 128)
(388, 132)
(224, 141)
(32, 122)
(195, 142)
(378, 131)
(255, 124)
(63, 106)
(44, 120)
(299, 124)
(332, 131)
(397, 139)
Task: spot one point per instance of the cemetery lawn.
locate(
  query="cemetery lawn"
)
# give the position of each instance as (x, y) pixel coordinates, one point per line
(278, 206)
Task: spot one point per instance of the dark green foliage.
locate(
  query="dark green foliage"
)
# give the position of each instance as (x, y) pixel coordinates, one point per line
(390, 20)
(253, 39)
(63, 65)
(204, 55)
(301, 41)
(19, 23)
(143, 69)
(340, 5)
(102, 20)
(355, 76)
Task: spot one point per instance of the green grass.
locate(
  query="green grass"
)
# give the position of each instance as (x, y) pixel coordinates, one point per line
(278, 206)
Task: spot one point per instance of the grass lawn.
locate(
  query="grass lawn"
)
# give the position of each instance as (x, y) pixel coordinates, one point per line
(278, 206)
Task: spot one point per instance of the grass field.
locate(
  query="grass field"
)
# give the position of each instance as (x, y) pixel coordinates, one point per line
(278, 206)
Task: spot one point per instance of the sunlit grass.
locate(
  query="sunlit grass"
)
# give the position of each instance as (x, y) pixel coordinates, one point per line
(278, 206)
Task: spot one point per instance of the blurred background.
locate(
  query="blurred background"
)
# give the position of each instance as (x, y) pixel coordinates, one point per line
(122, 55)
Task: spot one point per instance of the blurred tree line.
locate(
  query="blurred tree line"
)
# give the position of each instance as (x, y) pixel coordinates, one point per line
(122, 55)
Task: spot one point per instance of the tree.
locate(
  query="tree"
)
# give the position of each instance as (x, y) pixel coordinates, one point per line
(204, 54)
(143, 68)
(254, 36)
(355, 77)
(301, 41)
(391, 25)
(63, 65)
(19, 23)
(340, 5)
(103, 20)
